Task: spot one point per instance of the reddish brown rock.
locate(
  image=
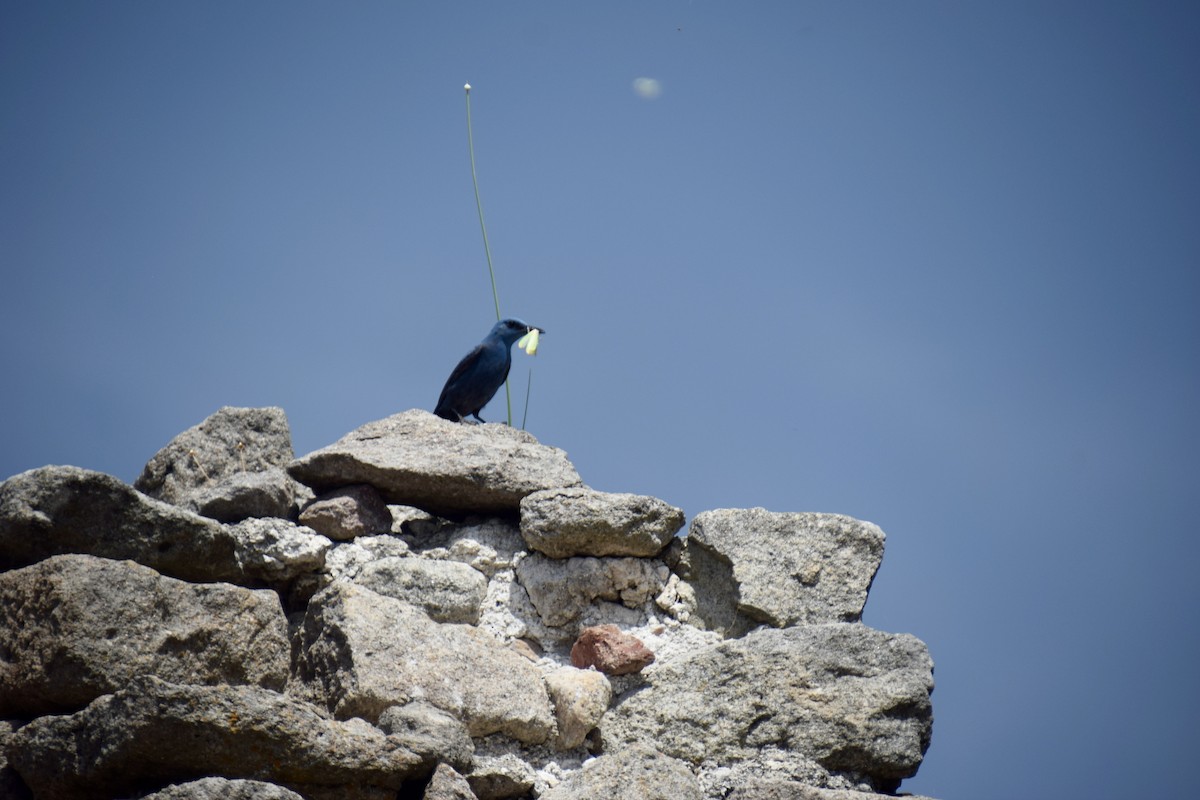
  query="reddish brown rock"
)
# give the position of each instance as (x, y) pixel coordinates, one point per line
(611, 651)
(347, 512)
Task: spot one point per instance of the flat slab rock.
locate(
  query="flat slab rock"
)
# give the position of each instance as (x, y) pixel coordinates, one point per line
(134, 738)
(75, 627)
(584, 522)
(415, 458)
(57, 510)
(851, 698)
(54, 510)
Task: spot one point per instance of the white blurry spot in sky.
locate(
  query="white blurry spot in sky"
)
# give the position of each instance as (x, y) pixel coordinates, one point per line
(647, 88)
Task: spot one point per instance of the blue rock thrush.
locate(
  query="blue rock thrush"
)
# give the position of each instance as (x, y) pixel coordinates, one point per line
(481, 372)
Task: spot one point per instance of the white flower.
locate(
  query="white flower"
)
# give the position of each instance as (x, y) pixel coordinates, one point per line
(529, 342)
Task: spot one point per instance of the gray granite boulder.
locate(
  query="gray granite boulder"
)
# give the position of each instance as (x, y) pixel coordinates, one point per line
(584, 522)
(752, 566)
(448, 784)
(347, 559)
(502, 777)
(75, 627)
(417, 459)
(272, 552)
(361, 652)
(55, 510)
(851, 698)
(448, 591)
(244, 495)
(227, 467)
(430, 733)
(154, 732)
(223, 789)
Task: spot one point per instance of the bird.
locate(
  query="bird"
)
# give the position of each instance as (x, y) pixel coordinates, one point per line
(481, 372)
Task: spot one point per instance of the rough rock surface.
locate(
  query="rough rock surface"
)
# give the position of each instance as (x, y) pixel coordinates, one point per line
(562, 590)
(363, 652)
(774, 768)
(634, 772)
(348, 559)
(54, 510)
(580, 696)
(448, 591)
(750, 566)
(11, 785)
(584, 522)
(430, 733)
(440, 634)
(74, 627)
(270, 493)
(757, 789)
(501, 778)
(852, 698)
(348, 512)
(447, 784)
(415, 458)
(132, 739)
(488, 545)
(213, 468)
(223, 789)
(271, 551)
(610, 650)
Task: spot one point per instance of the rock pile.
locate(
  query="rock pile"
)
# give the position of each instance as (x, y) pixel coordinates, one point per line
(427, 609)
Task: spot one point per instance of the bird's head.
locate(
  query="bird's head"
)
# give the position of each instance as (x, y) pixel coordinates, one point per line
(512, 329)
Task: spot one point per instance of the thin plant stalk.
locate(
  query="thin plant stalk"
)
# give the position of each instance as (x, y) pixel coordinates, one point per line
(487, 249)
(528, 388)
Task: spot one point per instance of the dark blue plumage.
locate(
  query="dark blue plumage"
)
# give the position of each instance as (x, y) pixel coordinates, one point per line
(481, 372)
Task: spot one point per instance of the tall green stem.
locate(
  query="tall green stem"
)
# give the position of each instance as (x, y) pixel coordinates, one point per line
(487, 249)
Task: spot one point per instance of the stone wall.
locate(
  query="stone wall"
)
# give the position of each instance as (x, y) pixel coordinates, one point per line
(427, 609)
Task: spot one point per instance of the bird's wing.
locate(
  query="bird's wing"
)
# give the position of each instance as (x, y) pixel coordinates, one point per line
(466, 365)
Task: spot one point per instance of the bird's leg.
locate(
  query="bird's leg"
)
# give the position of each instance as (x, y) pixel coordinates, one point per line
(482, 421)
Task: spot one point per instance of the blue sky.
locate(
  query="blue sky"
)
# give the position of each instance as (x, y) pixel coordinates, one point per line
(930, 264)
